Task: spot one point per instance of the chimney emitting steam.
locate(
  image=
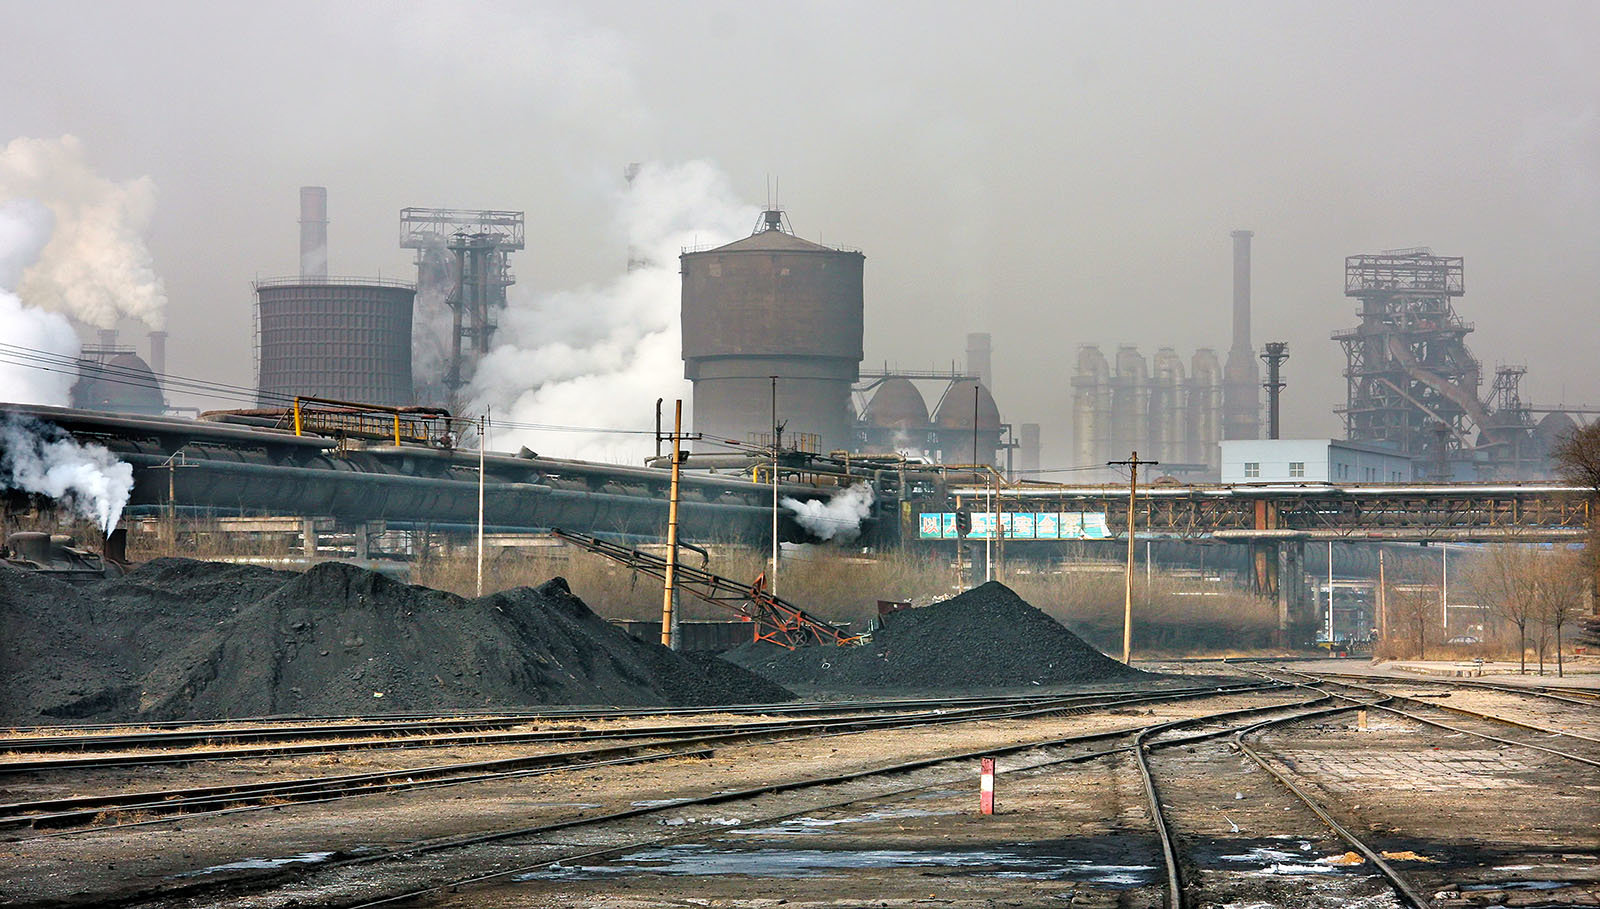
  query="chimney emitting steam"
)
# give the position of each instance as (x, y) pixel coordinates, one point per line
(313, 231)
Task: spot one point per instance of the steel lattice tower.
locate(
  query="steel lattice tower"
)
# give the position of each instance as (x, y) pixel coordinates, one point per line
(1409, 370)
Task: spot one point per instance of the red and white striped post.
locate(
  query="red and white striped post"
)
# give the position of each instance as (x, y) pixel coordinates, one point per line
(986, 786)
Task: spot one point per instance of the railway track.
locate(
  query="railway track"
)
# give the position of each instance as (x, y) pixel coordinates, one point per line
(175, 734)
(657, 744)
(445, 857)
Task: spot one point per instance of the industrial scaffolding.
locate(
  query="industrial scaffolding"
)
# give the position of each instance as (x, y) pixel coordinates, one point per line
(468, 252)
(1412, 383)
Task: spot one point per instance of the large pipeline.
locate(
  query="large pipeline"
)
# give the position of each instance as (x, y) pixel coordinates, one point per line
(232, 469)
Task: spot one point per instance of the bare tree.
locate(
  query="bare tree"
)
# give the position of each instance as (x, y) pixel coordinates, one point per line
(1412, 613)
(1577, 460)
(1559, 582)
(1503, 578)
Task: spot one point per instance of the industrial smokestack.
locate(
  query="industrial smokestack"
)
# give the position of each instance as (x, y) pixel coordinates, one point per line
(1241, 384)
(158, 353)
(1241, 290)
(1028, 452)
(108, 337)
(978, 358)
(313, 231)
(1277, 352)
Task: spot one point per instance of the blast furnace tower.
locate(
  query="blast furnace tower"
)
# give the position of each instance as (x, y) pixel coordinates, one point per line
(773, 304)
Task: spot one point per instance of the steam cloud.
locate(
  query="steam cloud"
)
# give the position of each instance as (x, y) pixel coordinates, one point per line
(40, 458)
(24, 231)
(839, 518)
(95, 267)
(600, 356)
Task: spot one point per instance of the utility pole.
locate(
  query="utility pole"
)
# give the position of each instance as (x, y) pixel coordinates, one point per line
(1132, 463)
(483, 429)
(173, 462)
(987, 541)
(669, 591)
(772, 579)
(1383, 600)
(1330, 592)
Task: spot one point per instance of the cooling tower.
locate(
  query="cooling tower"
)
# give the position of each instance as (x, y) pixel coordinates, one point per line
(342, 338)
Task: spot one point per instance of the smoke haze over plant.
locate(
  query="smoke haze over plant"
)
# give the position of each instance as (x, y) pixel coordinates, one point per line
(1052, 173)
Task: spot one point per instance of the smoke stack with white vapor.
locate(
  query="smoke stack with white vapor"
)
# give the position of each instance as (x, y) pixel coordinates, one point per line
(42, 459)
(839, 518)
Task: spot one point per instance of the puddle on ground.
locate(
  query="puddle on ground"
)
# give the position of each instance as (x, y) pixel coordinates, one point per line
(696, 859)
(806, 826)
(1518, 885)
(262, 864)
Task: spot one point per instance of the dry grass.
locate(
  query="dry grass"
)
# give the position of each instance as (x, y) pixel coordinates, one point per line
(1171, 615)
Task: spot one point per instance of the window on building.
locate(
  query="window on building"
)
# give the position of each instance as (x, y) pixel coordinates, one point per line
(1297, 468)
(1252, 469)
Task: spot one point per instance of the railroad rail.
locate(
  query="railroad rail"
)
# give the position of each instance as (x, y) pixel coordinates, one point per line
(661, 743)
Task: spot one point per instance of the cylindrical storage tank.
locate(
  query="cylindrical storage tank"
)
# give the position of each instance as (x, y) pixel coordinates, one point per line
(1091, 410)
(342, 338)
(1166, 407)
(1130, 403)
(769, 305)
(1205, 409)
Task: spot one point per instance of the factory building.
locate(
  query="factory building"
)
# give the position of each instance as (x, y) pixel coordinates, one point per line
(773, 305)
(320, 336)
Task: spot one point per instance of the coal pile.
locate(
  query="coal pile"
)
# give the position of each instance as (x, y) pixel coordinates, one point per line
(987, 637)
(181, 639)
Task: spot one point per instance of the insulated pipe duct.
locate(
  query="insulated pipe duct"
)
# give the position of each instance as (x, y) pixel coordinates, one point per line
(313, 231)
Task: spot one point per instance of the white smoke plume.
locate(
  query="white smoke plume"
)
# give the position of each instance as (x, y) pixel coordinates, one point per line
(95, 267)
(839, 518)
(40, 458)
(600, 356)
(24, 231)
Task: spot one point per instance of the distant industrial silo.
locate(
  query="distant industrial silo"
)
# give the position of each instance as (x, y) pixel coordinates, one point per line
(896, 418)
(953, 424)
(769, 305)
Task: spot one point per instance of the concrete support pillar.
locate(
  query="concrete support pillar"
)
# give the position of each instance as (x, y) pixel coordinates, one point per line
(1297, 608)
(363, 541)
(308, 536)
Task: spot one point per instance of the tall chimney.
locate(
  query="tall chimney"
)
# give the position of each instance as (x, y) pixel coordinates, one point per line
(313, 231)
(1241, 290)
(1277, 352)
(158, 353)
(978, 358)
(108, 337)
(1028, 454)
(1241, 377)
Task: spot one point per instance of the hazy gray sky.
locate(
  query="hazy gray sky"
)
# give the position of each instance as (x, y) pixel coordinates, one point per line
(1054, 173)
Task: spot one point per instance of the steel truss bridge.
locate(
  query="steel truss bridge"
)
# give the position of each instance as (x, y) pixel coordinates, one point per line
(1410, 513)
(1277, 520)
